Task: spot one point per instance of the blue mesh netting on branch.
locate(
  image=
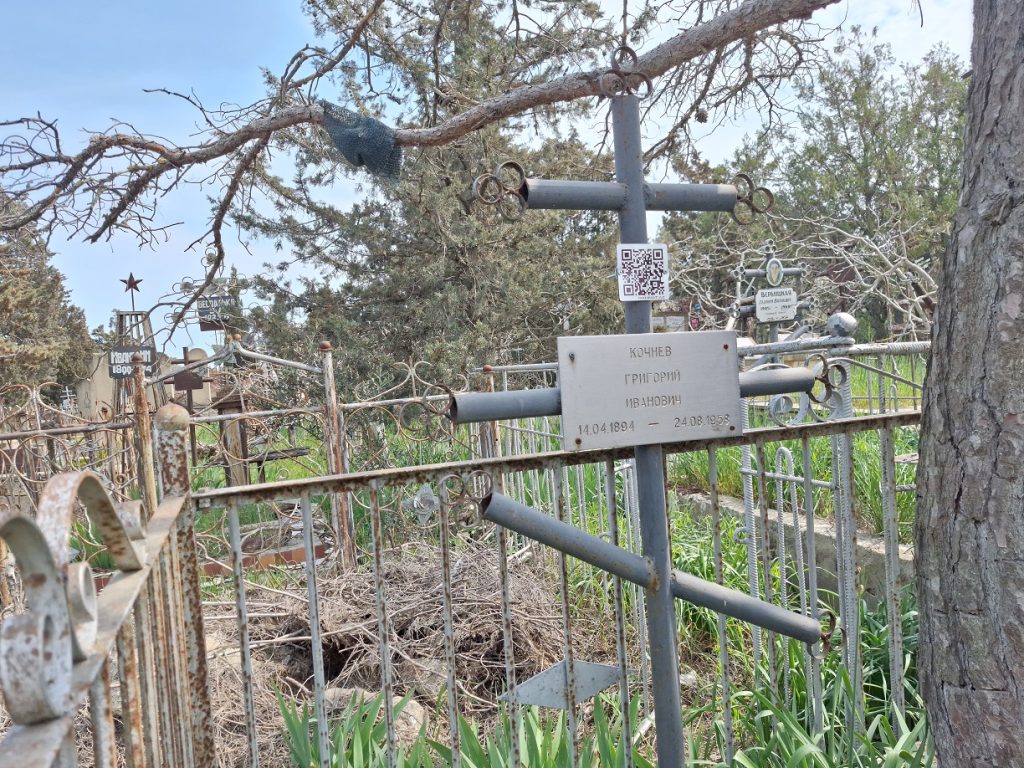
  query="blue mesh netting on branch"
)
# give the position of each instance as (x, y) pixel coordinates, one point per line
(365, 142)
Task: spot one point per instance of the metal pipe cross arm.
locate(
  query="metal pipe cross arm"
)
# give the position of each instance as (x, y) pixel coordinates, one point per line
(550, 194)
(639, 570)
(474, 407)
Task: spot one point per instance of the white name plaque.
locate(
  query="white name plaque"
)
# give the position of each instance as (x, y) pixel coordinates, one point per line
(644, 389)
(775, 304)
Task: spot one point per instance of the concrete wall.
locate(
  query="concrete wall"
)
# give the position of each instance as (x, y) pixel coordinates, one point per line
(869, 556)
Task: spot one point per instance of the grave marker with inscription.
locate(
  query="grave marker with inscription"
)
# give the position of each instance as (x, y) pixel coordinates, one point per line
(773, 305)
(646, 389)
(639, 390)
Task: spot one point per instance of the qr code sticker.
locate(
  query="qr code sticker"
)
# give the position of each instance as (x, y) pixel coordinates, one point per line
(643, 272)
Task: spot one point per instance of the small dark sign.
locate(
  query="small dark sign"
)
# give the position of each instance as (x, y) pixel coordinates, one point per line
(215, 307)
(119, 361)
(214, 312)
(187, 380)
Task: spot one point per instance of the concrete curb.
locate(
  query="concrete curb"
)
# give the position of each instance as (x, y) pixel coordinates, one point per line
(869, 556)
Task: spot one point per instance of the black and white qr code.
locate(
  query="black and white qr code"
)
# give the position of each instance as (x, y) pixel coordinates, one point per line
(643, 272)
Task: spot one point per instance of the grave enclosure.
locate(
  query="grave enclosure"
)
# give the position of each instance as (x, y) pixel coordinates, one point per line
(575, 462)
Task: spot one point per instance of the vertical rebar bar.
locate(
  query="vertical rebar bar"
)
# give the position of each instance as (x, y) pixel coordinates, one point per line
(131, 698)
(104, 746)
(383, 630)
(248, 699)
(750, 527)
(766, 556)
(728, 748)
(449, 629)
(515, 712)
(620, 613)
(817, 704)
(558, 501)
(144, 654)
(894, 609)
(315, 645)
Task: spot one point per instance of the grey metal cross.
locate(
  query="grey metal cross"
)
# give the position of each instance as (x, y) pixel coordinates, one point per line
(514, 194)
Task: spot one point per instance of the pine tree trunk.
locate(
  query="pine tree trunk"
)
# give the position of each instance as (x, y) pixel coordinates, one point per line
(970, 524)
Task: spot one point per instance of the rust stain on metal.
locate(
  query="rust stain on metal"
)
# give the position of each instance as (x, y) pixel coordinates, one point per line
(145, 433)
(131, 697)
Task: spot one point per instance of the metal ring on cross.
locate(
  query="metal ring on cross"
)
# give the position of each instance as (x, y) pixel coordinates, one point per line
(743, 212)
(503, 190)
(616, 82)
(487, 188)
(510, 175)
(836, 374)
(750, 199)
(612, 84)
(624, 55)
(762, 199)
(622, 78)
(512, 205)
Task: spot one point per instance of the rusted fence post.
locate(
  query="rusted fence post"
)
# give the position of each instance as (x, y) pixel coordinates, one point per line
(341, 518)
(147, 472)
(172, 422)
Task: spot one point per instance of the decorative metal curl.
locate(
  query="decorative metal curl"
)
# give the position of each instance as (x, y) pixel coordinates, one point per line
(503, 189)
(831, 637)
(784, 411)
(618, 80)
(750, 199)
(38, 647)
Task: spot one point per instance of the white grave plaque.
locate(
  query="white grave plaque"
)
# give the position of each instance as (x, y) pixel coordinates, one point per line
(642, 270)
(648, 388)
(775, 304)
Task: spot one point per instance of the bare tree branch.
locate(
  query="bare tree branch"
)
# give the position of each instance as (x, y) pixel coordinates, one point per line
(114, 182)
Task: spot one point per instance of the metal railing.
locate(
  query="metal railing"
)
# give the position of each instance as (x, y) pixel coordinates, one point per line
(453, 536)
(132, 655)
(135, 653)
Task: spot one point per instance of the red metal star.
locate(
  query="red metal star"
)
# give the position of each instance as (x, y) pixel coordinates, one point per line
(131, 283)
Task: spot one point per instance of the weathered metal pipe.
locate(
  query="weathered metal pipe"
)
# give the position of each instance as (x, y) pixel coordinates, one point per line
(690, 197)
(742, 606)
(776, 381)
(472, 407)
(566, 538)
(545, 194)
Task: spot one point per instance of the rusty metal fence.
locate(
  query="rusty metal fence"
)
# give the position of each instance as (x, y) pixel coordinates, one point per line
(39, 440)
(436, 504)
(130, 654)
(134, 656)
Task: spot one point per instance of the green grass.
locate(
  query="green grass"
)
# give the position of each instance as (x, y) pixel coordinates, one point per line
(358, 739)
(689, 471)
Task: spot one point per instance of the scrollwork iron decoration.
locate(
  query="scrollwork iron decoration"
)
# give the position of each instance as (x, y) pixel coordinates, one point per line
(750, 199)
(39, 647)
(622, 78)
(822, 403)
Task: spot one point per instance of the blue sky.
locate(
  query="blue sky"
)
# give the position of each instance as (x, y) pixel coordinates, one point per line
(85, 63)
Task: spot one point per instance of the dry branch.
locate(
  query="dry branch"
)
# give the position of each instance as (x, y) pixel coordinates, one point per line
(114, 182)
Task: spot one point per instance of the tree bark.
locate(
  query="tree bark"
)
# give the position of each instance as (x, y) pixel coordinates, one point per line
(970, 522)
